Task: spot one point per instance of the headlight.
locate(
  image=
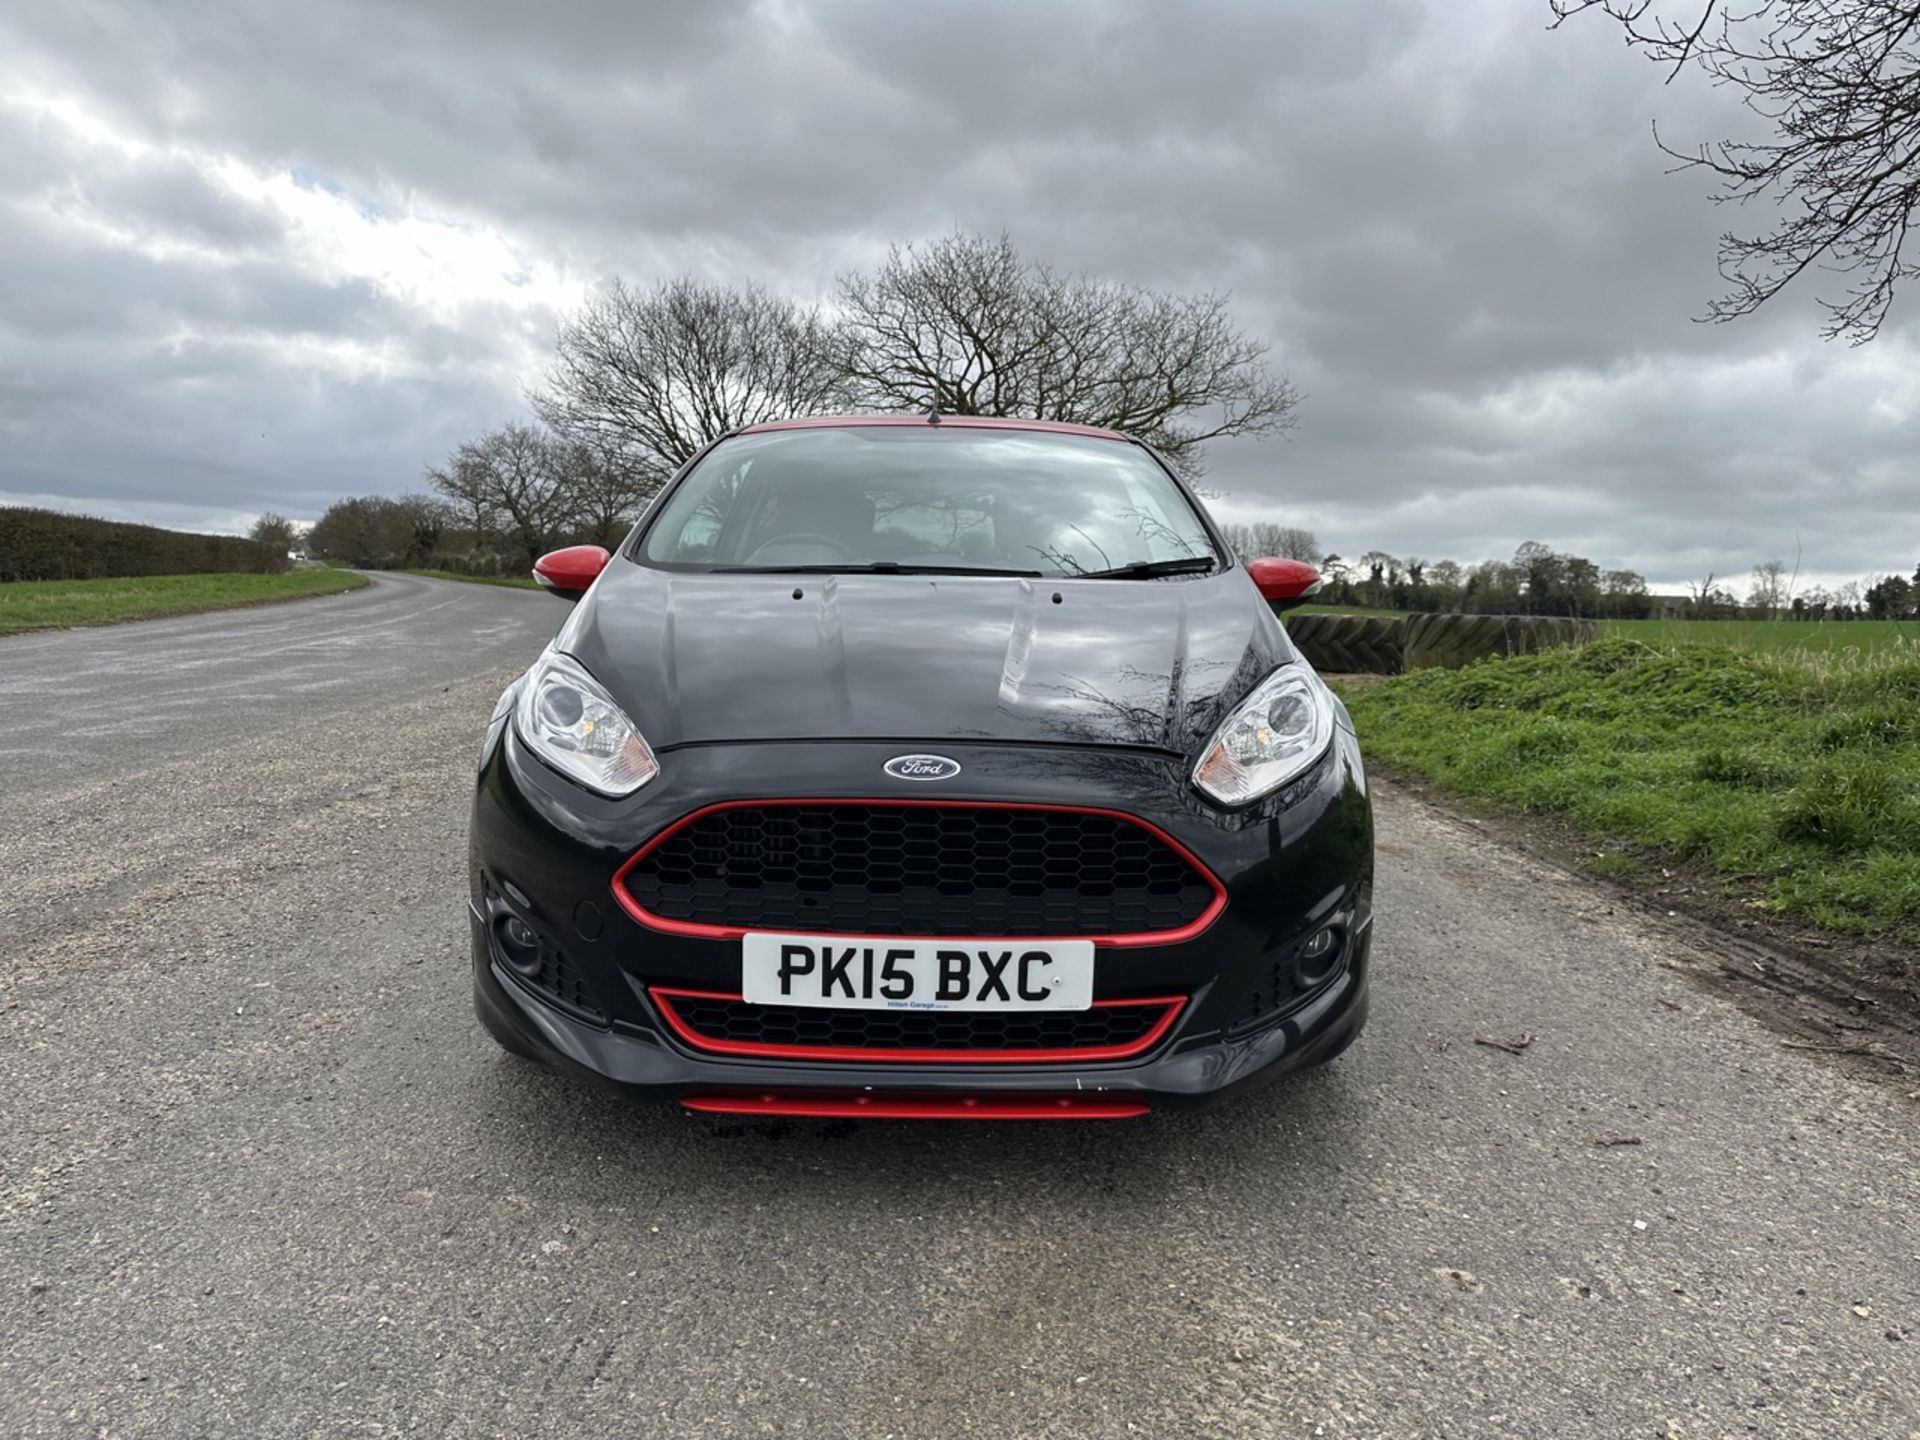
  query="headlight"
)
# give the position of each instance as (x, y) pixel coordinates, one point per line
(566, 717)
(1271, 737)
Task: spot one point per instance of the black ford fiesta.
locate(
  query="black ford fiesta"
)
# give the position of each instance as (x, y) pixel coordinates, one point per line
(935, 767)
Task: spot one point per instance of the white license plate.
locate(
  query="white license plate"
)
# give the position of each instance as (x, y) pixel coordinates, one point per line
(863, 973)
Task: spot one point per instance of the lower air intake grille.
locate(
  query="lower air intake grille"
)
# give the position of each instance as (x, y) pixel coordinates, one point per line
(559, 980)
(1280, 988)
(727, 1025)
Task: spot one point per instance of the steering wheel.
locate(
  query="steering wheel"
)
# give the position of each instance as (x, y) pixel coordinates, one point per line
(841, 551)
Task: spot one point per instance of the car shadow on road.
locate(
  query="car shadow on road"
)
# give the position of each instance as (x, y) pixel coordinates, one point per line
(538, 1122)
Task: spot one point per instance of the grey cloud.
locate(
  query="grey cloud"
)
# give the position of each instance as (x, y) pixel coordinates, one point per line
(1452, 224)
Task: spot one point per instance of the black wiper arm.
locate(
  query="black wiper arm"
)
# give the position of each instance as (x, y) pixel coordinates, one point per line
(870, 567)
(1148, 569)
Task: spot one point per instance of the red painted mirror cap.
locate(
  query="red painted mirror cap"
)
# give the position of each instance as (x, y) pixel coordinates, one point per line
(567, 573)
(1284, 579)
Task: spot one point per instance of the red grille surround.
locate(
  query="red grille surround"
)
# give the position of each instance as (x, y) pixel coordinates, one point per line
(1152, 1034)
(624, 897)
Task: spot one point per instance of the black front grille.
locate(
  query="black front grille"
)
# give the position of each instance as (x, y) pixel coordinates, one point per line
(877, 869)
(721, 1021)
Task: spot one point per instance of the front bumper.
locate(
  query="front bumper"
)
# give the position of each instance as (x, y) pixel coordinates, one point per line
(545, 852)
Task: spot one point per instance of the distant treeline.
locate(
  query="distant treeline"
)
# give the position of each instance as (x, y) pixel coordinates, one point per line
(47, 545)
(379, 532)
(1540, 580)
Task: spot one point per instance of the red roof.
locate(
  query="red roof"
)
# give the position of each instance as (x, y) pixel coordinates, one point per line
(962, 422)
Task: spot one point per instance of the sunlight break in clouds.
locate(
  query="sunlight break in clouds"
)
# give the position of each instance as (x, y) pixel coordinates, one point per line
(437, 265)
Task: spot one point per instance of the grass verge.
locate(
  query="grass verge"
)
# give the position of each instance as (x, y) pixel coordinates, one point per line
(1793, 778)
(512, 582)
(56, 604)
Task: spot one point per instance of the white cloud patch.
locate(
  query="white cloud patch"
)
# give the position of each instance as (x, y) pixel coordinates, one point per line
(441, 265)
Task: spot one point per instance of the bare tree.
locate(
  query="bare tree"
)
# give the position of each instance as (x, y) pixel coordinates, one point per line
(1264, 538)
(376, 532)
(1838, 82)
(966, 326)
(1493, 587)
(1291, 542)
(1769, 593)
(1624, 594)
(467, 480)
(1383, 578)
(1446, 576)
(607, 492)
(647, 379)
(517, 471)
(272, 535)
(1709, 601)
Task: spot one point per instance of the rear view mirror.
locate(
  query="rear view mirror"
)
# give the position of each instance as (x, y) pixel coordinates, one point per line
(1284, 583)
(567, 573)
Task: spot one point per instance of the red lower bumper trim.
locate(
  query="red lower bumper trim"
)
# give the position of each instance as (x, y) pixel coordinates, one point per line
(870, 1106)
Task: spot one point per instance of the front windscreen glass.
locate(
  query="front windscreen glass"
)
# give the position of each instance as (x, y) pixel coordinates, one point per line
(931, 498)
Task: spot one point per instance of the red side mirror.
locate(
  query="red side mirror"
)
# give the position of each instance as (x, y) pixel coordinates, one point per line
(567, 573)
(1284, 582)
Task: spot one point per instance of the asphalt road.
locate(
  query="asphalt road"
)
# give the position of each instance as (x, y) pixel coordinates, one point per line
(125, 699)
(261, 1175)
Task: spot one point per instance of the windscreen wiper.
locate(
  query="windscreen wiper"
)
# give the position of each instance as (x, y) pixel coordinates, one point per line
(1149, 569)
(871, 567)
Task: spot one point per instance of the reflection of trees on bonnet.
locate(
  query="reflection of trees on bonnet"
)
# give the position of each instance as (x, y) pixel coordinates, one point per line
(1148, 709)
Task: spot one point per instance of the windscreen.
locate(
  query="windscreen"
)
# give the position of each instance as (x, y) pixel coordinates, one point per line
(926, 497)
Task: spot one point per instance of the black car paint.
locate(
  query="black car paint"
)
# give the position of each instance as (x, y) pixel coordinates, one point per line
(1049, 691)
(733, 658)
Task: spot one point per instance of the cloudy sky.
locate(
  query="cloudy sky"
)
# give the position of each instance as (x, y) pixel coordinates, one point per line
(259, 256)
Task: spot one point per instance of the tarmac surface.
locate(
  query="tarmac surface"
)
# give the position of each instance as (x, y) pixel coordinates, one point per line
(261, 1173)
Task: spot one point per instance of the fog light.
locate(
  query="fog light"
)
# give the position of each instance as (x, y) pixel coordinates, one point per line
(1320, 956)
(519, 946)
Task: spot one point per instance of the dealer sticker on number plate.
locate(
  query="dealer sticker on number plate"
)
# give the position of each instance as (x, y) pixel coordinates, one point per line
(865, 973)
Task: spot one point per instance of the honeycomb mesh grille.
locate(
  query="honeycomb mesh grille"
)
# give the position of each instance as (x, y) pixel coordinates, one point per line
(876, 869)
(720, 1022)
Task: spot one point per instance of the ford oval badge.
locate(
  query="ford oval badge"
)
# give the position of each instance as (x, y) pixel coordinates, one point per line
(922, 767)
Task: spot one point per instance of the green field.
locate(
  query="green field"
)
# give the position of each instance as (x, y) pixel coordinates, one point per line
(515, 582)
(1816, 637)
(57, 604)
(1791, 774)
